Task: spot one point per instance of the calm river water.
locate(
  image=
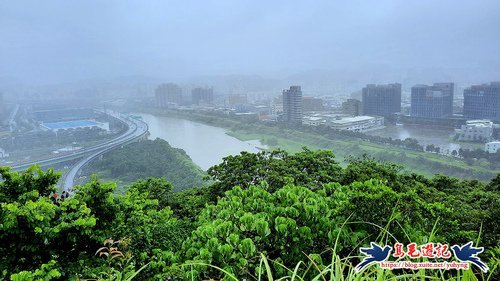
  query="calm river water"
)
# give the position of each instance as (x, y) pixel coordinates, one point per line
(441, 137)
(206, 145)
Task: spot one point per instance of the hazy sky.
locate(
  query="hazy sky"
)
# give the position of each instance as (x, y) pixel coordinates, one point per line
(56, 41)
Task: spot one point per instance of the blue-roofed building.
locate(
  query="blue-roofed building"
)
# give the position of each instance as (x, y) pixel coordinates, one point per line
(74, 124)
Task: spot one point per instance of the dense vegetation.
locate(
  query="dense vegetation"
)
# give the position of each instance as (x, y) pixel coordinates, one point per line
(261, 214)
(148, 158)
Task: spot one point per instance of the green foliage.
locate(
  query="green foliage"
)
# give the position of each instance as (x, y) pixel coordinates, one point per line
(475, 206)
(26, 186)
(45, 272)
(336, 269)
(250, 221)
(149, 159)
(35, 225)
(293, 221)
(268, 215)
(155, 188)
(494, 184)
(38, 225)
(366, 168)
(135, 215)
(308, 168)
(371, 205)
(188, 204)
(119, 265)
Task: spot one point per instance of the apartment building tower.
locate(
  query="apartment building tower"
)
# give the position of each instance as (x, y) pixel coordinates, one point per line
(381, 100)
(434, 101)
(482, 101)
(292, 105)
(167, 94)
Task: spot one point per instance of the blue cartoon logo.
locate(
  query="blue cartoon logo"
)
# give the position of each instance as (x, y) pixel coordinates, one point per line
(466, 255)
(374, 254)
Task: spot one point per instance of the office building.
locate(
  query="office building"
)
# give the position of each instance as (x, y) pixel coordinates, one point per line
(202, 95)
(168, 94)
(352, 107)
(292, 105)
(482, 101)
(381, 100)
(434, 101)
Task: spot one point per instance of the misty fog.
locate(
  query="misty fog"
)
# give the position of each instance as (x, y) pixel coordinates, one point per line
(241, 139)
(321, 44)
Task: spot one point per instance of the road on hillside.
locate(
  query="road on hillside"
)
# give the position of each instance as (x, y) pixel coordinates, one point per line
(137, 129)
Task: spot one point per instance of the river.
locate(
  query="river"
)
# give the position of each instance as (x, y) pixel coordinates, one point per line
(438, 136)
(206, 145)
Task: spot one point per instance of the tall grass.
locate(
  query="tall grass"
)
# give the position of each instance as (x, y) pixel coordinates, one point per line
(343, 269)
(340, 269)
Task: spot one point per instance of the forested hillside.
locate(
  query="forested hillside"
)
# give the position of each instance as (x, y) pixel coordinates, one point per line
(148, 159)
(263, 216)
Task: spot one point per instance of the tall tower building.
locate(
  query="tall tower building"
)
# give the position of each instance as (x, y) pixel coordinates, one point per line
(292, 105)
(202, 95)
(168, 93)
(482, 101)
(381, 100)
(352, 107)
(434, 101)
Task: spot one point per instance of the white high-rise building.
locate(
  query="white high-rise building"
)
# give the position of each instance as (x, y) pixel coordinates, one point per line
(292, 105)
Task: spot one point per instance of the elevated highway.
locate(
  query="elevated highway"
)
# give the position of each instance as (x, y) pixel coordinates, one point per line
(137, 129)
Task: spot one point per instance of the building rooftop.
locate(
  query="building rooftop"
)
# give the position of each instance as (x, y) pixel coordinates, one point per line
(352, 119)
(479, 122)
(330, 115)
(70, 124)
(312, 118)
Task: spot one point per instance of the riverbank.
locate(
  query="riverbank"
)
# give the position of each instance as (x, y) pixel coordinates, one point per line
(344, 147)
(207, 145)
(442, 137)
(424, 163)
